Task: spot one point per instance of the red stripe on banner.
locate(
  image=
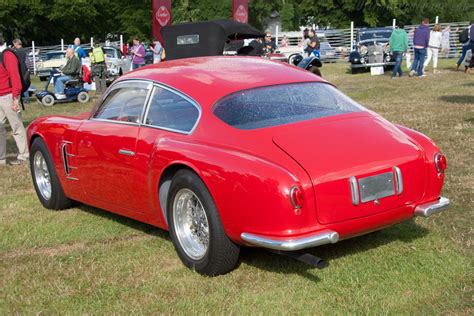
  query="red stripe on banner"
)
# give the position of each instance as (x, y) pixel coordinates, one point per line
(161, 16)
(240, 10)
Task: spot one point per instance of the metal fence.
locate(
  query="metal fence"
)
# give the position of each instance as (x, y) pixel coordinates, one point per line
(340, 40)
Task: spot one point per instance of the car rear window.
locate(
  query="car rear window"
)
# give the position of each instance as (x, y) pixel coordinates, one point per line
(282, 104)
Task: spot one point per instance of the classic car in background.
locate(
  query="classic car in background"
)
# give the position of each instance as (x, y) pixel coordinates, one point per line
(372, 49)
(48, 61)
(227, 152)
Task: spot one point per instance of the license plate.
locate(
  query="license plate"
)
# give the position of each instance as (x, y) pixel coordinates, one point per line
(376, 187)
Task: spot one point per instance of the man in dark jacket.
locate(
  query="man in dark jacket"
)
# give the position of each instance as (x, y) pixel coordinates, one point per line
(70, 71)
(420, 43)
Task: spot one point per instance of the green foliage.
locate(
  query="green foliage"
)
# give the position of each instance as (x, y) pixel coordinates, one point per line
(47, 22)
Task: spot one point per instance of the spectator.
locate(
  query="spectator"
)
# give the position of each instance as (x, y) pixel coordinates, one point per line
(158, 52)
(445, 44)
(305, 40)
(421, 39)
(10, 89)
(98, 67)
(21, 53)
(284, 41)
(125, 49)
(313, 43)
(138, 54)
(269, 44)
(471, 38)
(257, 45)
(466, 46)
(398, 45)
(69, 71)
(433, 48)
(410, 47)
(79, 51)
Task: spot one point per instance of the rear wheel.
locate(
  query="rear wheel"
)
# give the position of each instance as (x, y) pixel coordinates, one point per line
(46, 182)
(196, 228)
(83, 97)
(47, 100)
(315, 70)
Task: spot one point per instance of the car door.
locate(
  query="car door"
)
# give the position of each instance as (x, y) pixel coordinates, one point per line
(170, 117)
(106, 145)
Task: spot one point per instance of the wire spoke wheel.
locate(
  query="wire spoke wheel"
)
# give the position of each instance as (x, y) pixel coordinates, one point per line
(42, 175)
(191, 224)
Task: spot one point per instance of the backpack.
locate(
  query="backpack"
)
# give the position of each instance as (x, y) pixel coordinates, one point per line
(464, 36)
(86, 75)
(22, 69)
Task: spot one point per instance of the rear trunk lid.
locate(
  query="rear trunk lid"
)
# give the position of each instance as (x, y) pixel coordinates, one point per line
(366, 150)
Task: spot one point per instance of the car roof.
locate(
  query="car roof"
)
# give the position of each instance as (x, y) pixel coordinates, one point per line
(207, 79)
(209, 37)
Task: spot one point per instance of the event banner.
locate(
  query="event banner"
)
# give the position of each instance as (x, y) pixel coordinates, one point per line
(240, 10)
(161, 17)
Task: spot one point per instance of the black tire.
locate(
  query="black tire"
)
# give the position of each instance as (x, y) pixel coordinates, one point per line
(83, 97)
(315, 70)
(222, 254)
(43, 78)
(48, 100)
(57, 200)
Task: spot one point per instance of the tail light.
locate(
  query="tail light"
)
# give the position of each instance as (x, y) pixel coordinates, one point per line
(297, 198)
(440, 162)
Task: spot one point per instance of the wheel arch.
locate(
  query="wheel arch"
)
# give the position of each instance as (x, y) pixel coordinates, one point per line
(164, 184)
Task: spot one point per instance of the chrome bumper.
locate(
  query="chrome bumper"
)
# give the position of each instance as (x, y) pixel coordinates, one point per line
(431, 208)
(292, 244)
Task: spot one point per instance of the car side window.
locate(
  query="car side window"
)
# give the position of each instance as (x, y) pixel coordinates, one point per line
(169, 110)
(123, 104)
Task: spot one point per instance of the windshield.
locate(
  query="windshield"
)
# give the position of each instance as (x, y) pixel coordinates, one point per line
(375, 35)
(283, 104)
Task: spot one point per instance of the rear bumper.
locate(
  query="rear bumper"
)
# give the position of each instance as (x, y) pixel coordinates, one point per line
(428, 209)
(292, 244)
(390, 63)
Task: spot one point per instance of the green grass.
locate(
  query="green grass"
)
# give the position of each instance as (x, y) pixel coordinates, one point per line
(85, 260)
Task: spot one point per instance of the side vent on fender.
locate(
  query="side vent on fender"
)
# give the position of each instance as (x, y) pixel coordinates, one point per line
(66, 158)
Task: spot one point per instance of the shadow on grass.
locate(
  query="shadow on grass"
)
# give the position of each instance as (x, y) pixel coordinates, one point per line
(265, 260)
(464, 99)
(268, 261)
(143, 227)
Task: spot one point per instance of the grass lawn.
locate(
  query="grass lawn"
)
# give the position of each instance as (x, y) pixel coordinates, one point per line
(85, 260)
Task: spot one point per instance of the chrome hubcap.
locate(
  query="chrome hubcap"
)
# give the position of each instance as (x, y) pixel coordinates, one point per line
(42, 176)
(191, 224)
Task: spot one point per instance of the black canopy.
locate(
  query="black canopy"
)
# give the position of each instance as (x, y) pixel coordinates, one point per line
(204, 38)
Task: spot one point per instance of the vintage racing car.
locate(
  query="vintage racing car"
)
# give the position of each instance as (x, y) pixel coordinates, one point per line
(227, 152)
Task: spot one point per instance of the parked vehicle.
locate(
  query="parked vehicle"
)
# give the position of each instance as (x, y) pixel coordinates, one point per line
(50, 60)
(227, 152)
(74, 91)
(372, 49)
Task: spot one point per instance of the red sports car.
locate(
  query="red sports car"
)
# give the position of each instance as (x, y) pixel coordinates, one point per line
(236, 151)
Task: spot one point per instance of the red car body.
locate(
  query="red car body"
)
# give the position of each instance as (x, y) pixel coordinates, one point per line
(250, 174)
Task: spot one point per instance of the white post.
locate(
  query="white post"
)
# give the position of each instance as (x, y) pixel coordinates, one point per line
(92, 42)
(394, 24)
(352, 36)
(276, 35)
(437, 19)
(121, 43)
(314, 27)
(34, 56)
(62, 44)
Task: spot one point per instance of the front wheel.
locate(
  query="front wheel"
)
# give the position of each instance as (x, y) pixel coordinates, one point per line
(46, 182)
(48, 100)
(196, 228)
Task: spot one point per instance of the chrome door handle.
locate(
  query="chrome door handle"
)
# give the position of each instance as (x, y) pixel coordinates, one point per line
(126, 152)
